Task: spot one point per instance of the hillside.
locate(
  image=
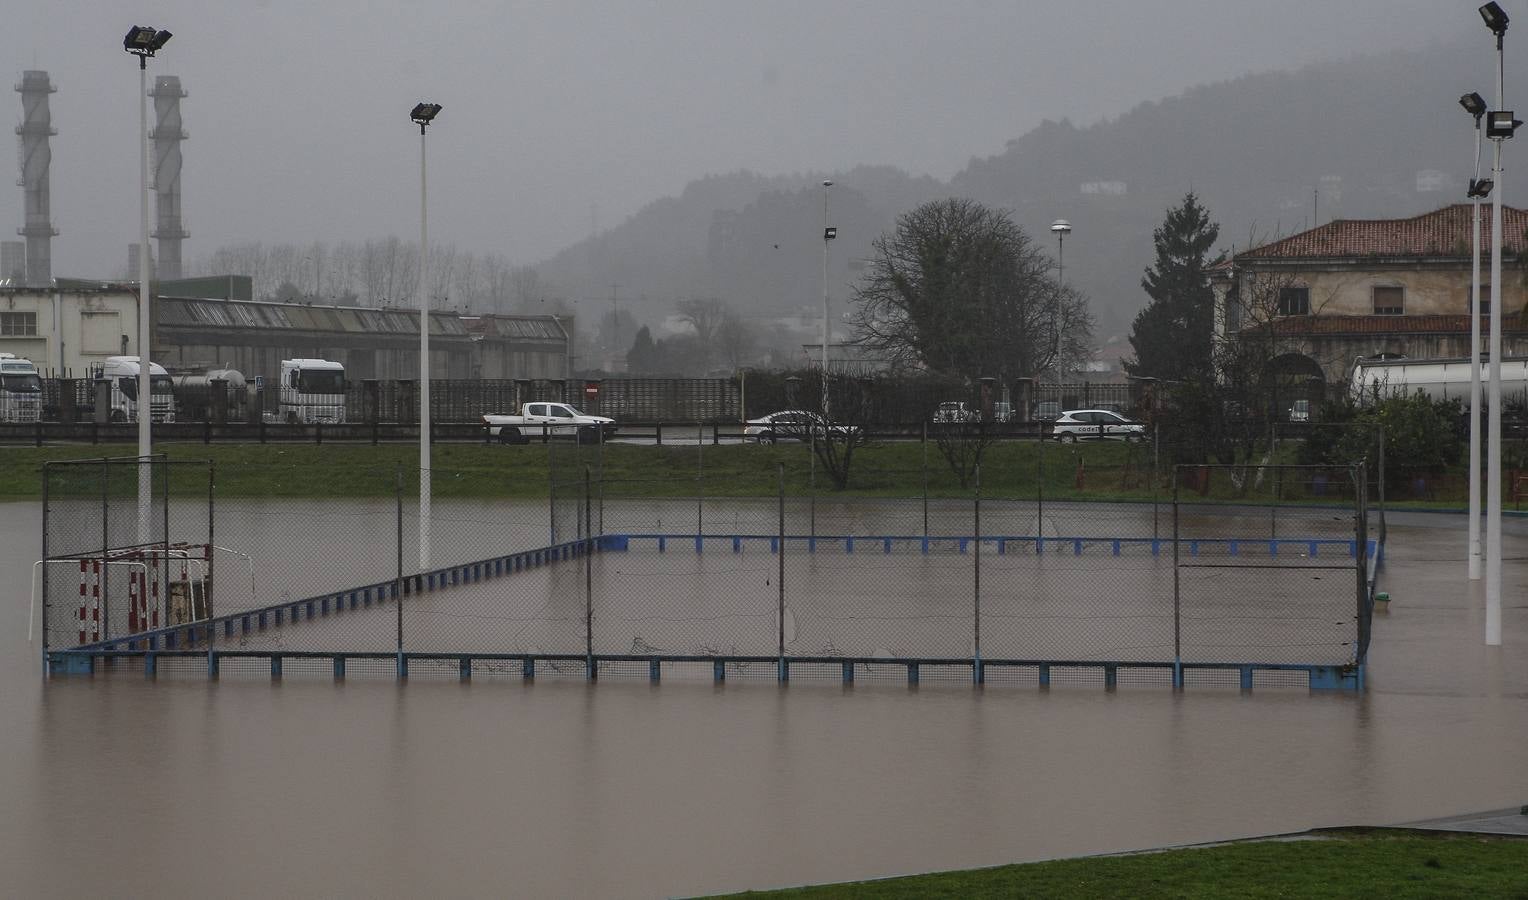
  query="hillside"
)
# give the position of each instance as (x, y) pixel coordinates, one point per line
(1255, 149)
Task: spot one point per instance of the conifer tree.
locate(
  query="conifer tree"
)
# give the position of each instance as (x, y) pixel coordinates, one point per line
(1173, 337)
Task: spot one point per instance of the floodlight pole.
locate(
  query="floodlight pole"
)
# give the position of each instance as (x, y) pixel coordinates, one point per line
(1493, 464)
(145, 383)
(826, 239)
(1474, 545)
(424, 360)
(143, 42)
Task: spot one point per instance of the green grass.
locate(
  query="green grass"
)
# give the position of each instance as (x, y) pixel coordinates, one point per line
(1108, 471)
(1356, 863)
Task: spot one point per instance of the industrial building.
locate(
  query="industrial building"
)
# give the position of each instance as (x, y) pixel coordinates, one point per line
(69, 329)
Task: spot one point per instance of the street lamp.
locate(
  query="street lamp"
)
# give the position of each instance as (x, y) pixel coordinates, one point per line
(143, 42)
(1500, 125)
(422, 115)
(828, 234)
(1479, 188)
(1060, 228)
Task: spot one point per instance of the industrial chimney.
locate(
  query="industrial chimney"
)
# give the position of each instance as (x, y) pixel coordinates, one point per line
(167, 135)
(36, 157)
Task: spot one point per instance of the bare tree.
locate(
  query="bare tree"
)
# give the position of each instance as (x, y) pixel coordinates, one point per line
(736, 339)
(958, 288)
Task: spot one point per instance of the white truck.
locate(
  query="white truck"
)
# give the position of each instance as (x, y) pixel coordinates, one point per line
(20, 390)
(122, 372)
(545, 418)
(1440, 379)
(312, 391)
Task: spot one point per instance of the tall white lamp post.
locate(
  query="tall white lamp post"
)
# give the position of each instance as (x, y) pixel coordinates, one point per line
(828, 234)
(1475, 105)
(422, 115)
(1500, 125)
(1060, 228)
(143, 42)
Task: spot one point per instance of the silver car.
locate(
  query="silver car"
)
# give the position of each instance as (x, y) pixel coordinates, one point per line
(1096, 425)
(792, 423)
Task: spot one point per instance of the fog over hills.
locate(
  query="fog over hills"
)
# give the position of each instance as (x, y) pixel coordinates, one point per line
(1269, 154)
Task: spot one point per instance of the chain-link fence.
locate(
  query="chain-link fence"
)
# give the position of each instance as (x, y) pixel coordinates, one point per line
(128, 547)
(948, 552)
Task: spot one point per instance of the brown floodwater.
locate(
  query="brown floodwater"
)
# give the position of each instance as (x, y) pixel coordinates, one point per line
(369, 787)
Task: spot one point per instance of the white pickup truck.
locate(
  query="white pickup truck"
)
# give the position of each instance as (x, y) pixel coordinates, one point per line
(543, 418)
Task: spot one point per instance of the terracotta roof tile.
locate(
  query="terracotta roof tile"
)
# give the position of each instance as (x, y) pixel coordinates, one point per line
(1389, 324)
(1441, 233)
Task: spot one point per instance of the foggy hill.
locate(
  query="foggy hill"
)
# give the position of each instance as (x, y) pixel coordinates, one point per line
(1367, 133)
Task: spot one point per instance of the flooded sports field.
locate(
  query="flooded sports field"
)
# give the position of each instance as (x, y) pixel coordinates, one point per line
(559, 787)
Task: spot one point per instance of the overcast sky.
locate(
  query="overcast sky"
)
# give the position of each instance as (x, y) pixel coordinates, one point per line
(298, 111)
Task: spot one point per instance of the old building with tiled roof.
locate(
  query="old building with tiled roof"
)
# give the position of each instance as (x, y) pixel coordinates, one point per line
(1372, 287)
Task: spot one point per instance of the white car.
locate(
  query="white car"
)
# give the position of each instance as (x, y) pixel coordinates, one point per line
(1096, 425)
(791, 423)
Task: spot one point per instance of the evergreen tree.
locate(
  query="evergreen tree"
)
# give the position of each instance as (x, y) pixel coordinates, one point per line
(1173, 337)
(643, 355)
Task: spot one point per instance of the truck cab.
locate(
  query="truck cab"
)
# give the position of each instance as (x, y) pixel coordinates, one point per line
(20, 390)
(122, 372)
(312, 391)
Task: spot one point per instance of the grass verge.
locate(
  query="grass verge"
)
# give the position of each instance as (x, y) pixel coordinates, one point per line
(1017, 470)
(1352, 863)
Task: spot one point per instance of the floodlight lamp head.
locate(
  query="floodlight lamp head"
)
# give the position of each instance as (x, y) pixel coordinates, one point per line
(1501, 124)
(1061, 227)
(1474, 104)
(1495, 18)
(424, 113)
(144, 41)
(827, 182)
(1480, 188)
(829, 234)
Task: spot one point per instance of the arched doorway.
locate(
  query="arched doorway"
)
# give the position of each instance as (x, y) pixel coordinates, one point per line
(1298, 387)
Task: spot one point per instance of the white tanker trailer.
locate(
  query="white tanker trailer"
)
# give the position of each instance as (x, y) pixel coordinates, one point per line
(1440, 379)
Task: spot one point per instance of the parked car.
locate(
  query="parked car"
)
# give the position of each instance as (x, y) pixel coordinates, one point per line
(792, 424)
(1047, 411)
(951, 411)
(550, 419)
(1002, 412)
(1096, 425)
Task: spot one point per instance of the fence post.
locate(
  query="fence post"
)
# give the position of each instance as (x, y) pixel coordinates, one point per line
(700, 480)
(398, 581)
(783, 671)
(1156, 474)
(925, 481)
(46, 478)
(105, 608)
(1177, 595)
(977, 676)
(1040, 495)
(812, 492)
(593, 670)
(1361, 561)
(1380, 484)
(211, 581)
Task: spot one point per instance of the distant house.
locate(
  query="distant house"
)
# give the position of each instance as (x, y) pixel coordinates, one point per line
(1371, 287)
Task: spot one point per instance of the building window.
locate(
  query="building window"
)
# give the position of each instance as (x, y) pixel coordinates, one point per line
(18, 324)
(1485, 300)
(1389, 300)
(1294, 301)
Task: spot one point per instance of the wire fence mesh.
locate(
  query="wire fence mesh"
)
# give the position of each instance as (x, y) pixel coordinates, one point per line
(1079, 553)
